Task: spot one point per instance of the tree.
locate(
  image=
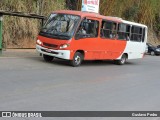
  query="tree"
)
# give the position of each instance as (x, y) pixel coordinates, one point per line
(40, 4)
(72, 4)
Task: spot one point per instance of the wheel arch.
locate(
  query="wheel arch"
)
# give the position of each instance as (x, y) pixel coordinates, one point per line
(82, 52)
(126, 55)
(122, 55)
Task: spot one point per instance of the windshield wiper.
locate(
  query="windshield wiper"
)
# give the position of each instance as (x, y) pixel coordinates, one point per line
(62, 36)
(58, 35)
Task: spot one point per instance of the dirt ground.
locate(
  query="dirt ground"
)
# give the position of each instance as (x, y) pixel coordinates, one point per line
(19, 53)
(21, 43)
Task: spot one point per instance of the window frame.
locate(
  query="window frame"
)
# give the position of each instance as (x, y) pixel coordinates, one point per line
(144, 31)
(126, 32)
(138, 34)
(110, 30)
(87, 35)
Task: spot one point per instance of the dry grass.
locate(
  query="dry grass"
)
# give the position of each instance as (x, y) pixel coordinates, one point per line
(22, 32)
(141, 11)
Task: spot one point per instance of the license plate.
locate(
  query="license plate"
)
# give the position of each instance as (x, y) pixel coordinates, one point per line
(48, 50)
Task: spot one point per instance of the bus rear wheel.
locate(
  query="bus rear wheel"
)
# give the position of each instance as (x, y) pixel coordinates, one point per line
(48, 58)
(122, 61)
(77, 59)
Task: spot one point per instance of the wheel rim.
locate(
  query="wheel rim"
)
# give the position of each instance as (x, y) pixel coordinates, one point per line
(123, 60)
(152, 53)
(77, 60)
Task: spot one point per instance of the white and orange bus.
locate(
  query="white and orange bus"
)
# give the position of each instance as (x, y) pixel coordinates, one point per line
(78, 36)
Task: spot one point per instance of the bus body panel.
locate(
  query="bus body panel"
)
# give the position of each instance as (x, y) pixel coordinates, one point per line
(134, 50)
(63, 54)
(52, 43)
(97, 48)
(94, 48)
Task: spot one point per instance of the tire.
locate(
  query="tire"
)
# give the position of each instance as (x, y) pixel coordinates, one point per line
(77, 59)
(152, 53)
(48, 58)
(122, 61)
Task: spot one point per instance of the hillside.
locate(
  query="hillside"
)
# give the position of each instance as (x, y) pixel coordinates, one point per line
(141, 11)
(22, 32)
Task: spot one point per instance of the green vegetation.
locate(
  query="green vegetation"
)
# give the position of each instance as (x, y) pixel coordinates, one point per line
(22, 32)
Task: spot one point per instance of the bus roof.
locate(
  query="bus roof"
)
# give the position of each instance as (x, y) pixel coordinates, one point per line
(134, 23)
(96, 15)
(88, 14)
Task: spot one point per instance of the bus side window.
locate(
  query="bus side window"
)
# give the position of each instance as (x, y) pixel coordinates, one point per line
(136, 34)
(108, 29)
(93, 28)
(88, 28)
(105, 29)
(123, 32)
(114, 31)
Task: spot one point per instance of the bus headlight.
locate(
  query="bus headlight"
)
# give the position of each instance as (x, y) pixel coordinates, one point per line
(64, 46)
(39, 42)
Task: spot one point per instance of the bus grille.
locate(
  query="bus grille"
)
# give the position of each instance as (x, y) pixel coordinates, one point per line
(50, 45)
(49, 51)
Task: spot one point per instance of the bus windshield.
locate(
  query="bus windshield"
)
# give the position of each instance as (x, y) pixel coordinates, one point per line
(60, 26)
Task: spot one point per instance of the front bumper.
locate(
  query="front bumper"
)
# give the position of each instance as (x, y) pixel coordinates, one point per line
(63, 54)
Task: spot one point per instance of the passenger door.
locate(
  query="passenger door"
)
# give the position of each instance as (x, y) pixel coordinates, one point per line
(86, 37)
(108, 36)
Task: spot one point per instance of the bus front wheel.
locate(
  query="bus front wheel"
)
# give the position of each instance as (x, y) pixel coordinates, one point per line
(77, 59)
(122, 60)
(48, 58)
